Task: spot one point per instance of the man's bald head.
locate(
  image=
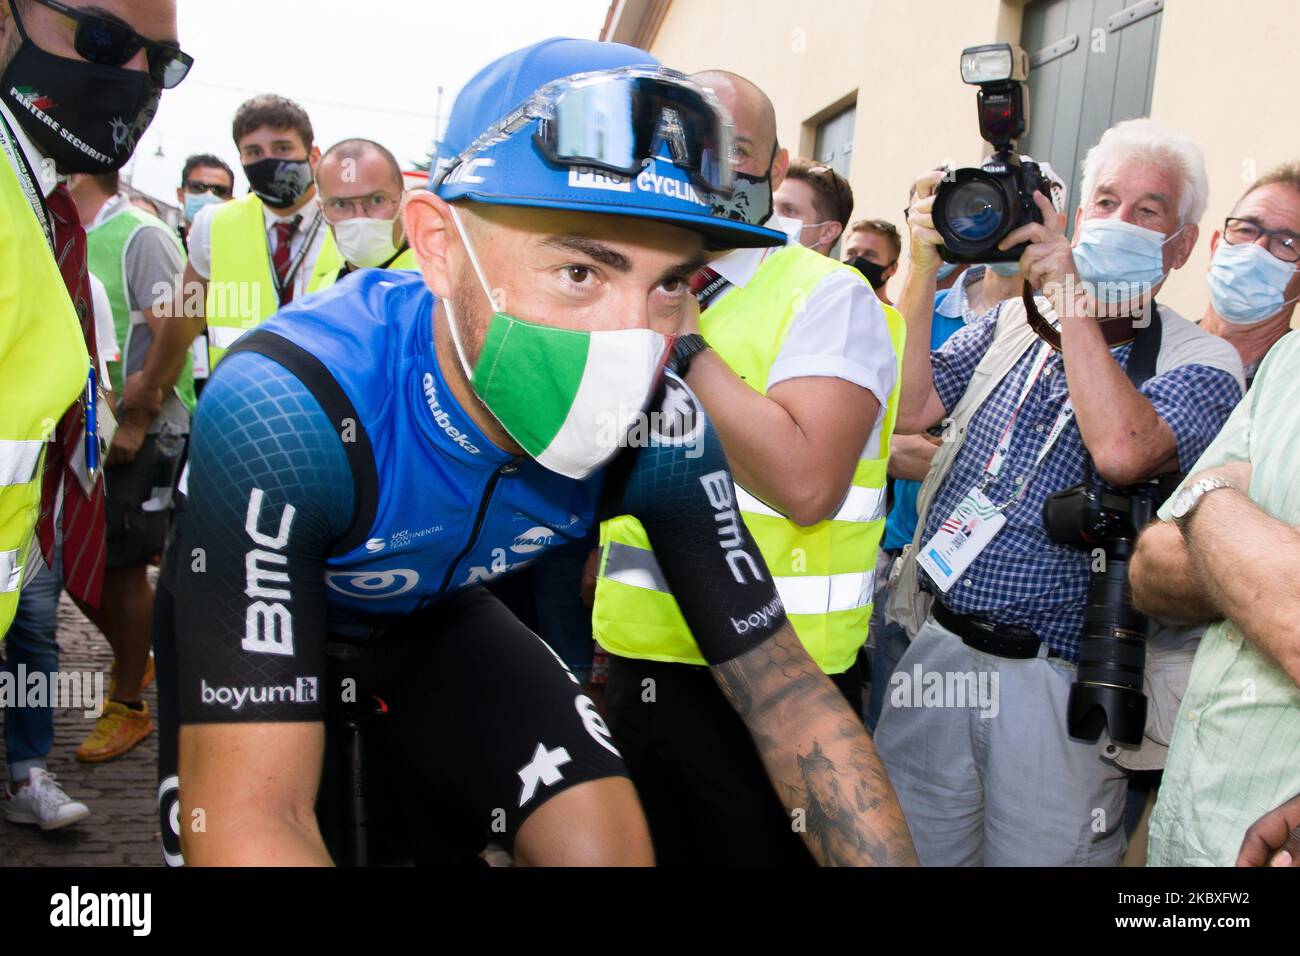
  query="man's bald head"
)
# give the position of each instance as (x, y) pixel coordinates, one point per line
(752, 113)
(351, 152)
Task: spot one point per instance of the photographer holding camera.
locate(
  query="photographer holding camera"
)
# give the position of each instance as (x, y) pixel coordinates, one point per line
(1127, 392)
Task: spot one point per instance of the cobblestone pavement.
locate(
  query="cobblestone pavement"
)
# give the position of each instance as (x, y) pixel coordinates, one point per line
(122, 829)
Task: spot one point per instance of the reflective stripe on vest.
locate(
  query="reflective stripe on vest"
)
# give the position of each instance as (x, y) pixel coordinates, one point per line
(861, 504)
(824, 573)
(801, 594)
(241, 289)
(222, 338)
(11, 572)
(19, 461)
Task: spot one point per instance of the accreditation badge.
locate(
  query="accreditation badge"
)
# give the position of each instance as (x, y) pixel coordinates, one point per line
(960, 539)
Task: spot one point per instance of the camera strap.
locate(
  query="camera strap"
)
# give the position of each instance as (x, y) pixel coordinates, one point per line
(1146, 350)
(993, 467)
(1142, 358)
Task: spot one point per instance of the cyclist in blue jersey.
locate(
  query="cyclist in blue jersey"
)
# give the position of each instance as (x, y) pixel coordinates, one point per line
(367, 458)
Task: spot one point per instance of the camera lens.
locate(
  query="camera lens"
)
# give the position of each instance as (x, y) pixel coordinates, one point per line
(976, 210)
(1107, 693)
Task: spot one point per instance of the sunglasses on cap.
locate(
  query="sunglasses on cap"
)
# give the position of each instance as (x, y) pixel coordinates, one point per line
(110, 42)
(828, 175)
(615, 120)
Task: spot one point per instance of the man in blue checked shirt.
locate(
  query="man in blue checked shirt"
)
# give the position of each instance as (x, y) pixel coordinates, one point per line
(973, 730)
(978, 292)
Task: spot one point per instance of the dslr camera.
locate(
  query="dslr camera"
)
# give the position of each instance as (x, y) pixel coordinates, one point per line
(974, 208)
(1107, 693)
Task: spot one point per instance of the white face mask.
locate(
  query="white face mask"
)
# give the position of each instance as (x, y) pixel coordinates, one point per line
(796, 230)
(366, 243)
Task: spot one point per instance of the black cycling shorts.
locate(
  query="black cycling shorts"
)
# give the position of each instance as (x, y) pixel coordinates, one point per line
(137, 501)
(484, 724)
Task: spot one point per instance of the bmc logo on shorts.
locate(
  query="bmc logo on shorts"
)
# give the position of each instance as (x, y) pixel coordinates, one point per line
(234, 698)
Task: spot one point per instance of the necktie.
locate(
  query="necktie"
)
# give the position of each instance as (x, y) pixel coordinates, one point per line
(83, 517)
(280, 257)
(705, 284)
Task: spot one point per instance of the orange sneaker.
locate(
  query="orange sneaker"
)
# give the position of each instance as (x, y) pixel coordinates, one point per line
(145, 681)
(118, 729)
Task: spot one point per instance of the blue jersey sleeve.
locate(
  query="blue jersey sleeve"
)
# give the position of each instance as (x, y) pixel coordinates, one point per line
(269, 490)
(678, 485)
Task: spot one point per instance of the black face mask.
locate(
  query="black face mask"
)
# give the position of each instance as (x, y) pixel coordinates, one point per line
(751, 197)
(751, 200)
(87, 118)
(279, 182)
(874, 272)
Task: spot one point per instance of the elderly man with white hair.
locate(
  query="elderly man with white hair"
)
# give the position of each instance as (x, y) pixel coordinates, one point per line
(1115, 390)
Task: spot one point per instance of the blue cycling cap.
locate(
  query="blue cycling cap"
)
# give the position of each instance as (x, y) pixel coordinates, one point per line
(515, 171)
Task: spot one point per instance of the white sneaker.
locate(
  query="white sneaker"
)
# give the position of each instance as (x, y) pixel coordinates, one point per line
(43, 803)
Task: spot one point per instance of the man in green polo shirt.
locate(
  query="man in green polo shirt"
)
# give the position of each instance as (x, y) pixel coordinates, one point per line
(140, 260)
(1227, 551)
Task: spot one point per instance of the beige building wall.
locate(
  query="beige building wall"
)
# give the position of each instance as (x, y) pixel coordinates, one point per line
(814, 60)
(1224, 75)
(1223, 72)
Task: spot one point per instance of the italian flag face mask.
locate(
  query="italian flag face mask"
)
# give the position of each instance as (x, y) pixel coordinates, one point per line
(567, 397)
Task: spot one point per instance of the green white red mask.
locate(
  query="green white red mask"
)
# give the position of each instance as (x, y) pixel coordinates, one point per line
(560, 393)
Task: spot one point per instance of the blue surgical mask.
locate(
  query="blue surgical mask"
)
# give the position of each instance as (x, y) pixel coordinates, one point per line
(1247, 283)
(947, 269)
(196, 201)
(1005, 269)
(1119, 260)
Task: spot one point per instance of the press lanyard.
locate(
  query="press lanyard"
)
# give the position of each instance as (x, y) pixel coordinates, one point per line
(26, 178)
(996, 460)
(715, 287)
(308, 237)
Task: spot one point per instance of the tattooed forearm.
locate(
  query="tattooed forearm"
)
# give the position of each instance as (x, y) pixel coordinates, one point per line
(818, 756)
(735, 687)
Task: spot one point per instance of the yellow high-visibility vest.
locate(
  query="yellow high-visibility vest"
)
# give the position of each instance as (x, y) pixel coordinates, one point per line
(330, 261)
(825, 573)
(43, 369)
(241, 287)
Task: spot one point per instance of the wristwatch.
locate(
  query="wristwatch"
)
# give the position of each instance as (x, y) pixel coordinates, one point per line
(685, 348)
(1185, 501)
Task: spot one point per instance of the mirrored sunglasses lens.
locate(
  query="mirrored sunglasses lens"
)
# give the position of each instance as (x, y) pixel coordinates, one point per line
(170, 68)
(593, 123)
(707, 139)
(104, 42)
